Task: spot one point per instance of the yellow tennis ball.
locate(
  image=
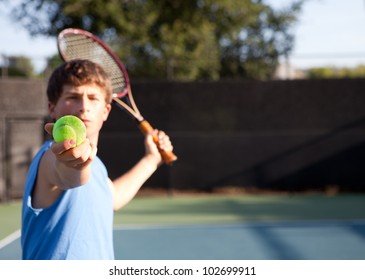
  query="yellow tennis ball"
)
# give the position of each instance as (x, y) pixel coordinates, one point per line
(69, 127)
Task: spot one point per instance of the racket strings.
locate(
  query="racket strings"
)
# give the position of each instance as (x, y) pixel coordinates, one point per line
(78, 46)
(75, 45)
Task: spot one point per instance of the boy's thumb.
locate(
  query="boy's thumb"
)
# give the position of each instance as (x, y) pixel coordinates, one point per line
(49, 127)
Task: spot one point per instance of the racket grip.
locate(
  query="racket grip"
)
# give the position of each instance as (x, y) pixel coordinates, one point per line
(168, 157)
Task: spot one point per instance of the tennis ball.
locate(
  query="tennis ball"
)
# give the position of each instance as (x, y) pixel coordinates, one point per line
(69, 127)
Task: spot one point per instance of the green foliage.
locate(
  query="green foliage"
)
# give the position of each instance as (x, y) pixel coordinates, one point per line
(176, 39)
(52, 63)
(18, 66)
(339, 73)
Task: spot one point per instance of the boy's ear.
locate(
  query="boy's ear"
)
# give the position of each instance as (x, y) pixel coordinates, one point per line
(107, 109)
(51, 110)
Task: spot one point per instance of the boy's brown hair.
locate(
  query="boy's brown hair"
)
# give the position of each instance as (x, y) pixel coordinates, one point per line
(76, 73)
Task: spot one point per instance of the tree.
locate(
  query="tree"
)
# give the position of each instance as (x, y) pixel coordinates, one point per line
(336, 73)
(176, 39)
(52, 63)
(18, 66)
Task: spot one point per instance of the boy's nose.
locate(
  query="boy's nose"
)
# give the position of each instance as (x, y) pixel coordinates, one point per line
(84, 105)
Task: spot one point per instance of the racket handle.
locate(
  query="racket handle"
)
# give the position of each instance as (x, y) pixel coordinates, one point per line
(168, 157)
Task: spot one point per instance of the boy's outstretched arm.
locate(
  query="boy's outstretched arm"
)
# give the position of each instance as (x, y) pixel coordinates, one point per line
(62, 167)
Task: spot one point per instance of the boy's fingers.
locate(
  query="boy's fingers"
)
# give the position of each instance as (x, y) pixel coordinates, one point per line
(60, 148)
(48, 128)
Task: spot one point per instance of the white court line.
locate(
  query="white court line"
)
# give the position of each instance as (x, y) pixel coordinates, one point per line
(10, 238)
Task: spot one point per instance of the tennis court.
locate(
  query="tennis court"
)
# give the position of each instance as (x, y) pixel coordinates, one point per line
(250, 227)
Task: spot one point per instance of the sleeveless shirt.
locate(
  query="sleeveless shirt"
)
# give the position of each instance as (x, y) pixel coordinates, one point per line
(78, 225)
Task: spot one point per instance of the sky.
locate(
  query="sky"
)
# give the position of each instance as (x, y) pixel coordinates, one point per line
(328, 33)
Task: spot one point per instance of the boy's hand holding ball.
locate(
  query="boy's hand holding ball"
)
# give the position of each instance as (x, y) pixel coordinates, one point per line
(69, 127)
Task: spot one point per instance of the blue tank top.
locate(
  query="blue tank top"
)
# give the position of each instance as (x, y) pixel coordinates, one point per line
(78, 225)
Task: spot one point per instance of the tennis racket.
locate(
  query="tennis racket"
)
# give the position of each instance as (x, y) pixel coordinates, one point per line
(79, 44)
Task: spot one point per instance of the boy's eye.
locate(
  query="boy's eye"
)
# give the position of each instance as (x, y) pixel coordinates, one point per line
(95, 98)
(77, 97)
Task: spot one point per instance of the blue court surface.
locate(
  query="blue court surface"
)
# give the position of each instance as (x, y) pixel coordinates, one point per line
(292, 240)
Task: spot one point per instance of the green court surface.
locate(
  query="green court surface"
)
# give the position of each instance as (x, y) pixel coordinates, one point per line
(10, 214)
(241, 208)
(227, 227)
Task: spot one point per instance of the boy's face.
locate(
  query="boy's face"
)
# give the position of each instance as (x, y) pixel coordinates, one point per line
(86, 102)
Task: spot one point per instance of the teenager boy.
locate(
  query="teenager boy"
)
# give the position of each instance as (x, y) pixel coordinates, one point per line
(68, 199)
